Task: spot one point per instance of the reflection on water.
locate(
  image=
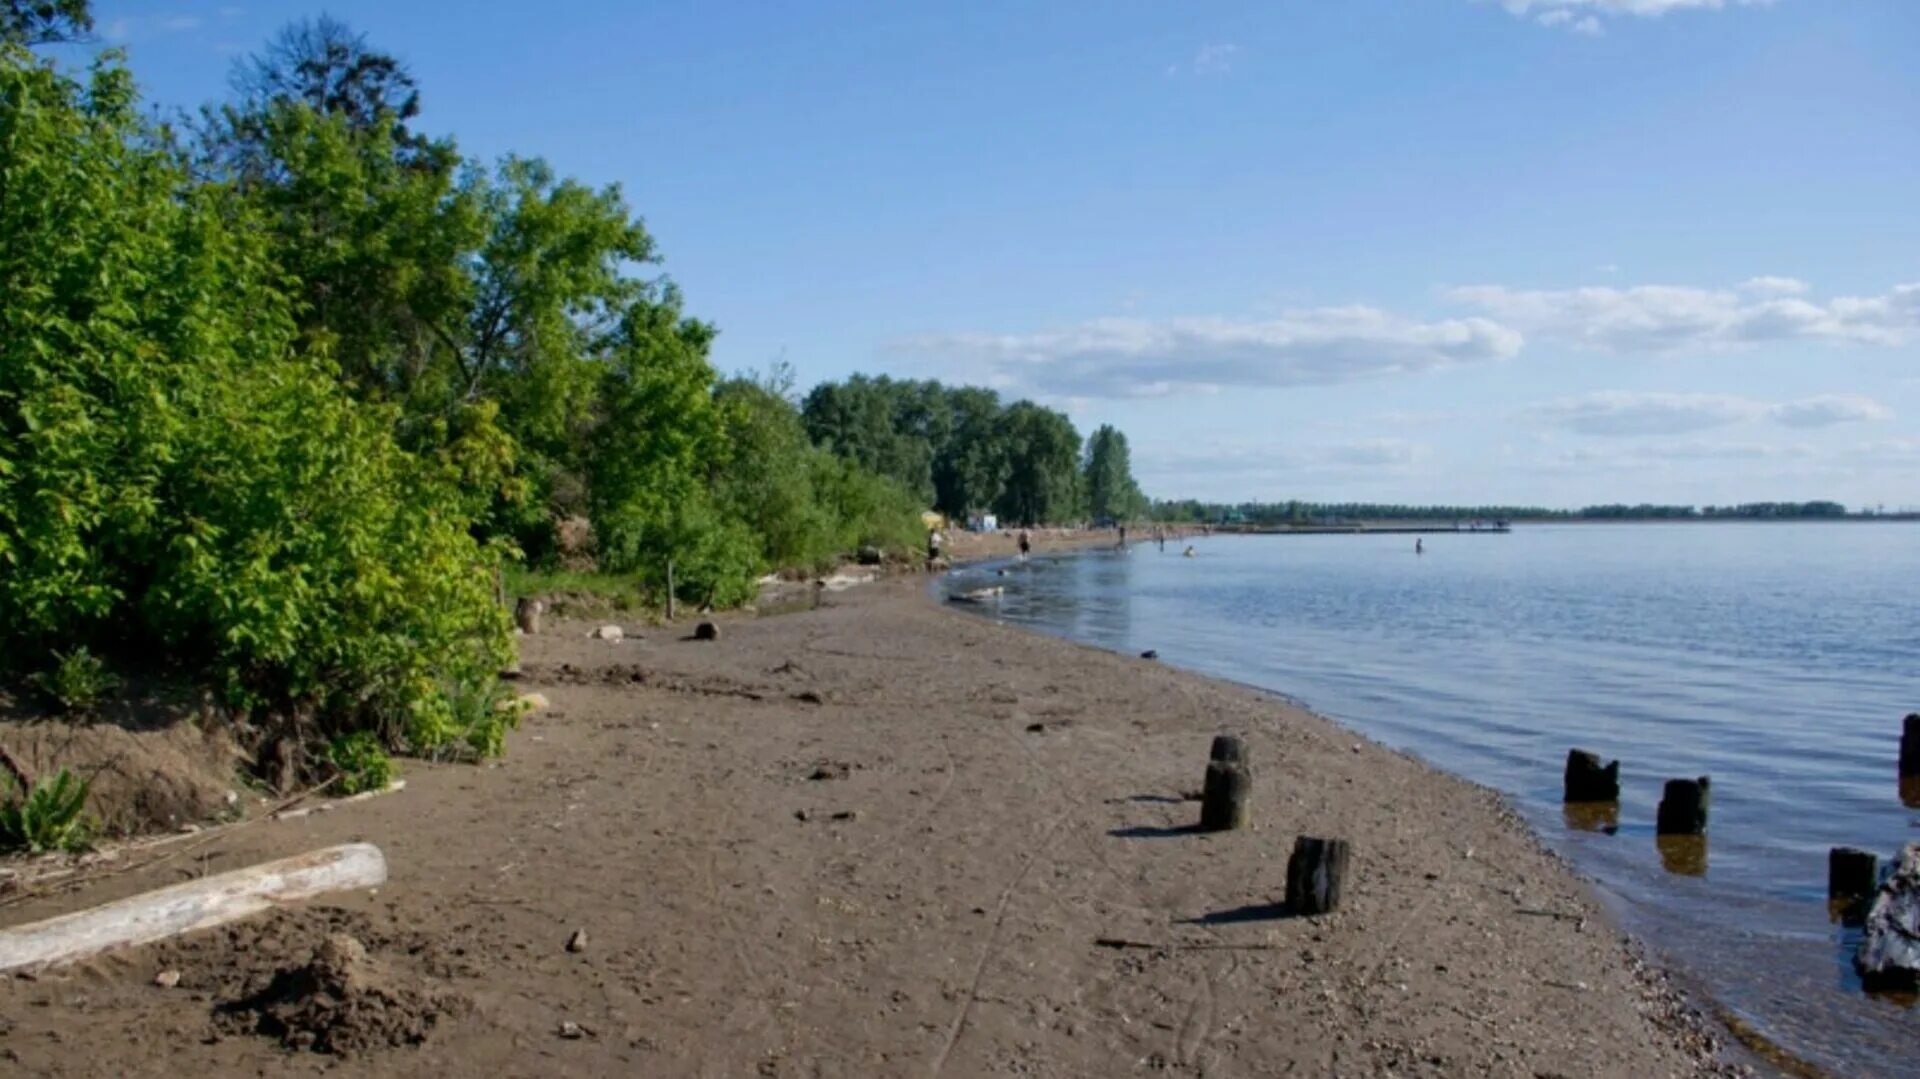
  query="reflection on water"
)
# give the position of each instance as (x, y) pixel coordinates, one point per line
(1602, 817)
(1779, 659)
(1683, 855)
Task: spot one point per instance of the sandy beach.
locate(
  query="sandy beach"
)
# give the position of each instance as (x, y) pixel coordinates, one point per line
(885, 838)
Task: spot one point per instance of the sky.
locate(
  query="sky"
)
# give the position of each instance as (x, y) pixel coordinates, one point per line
(1551, 252)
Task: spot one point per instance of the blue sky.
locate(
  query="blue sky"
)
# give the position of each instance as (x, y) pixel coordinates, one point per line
(1544, 251)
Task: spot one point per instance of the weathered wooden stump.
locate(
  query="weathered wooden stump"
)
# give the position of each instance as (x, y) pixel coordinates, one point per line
(1224, 800)
(1316, 873)
(1228, 747)
(1683, 807)
(1910, 747)
(706, 631)
(1587, 780)
(1889, 956)
(1852, 874)
(526, 615)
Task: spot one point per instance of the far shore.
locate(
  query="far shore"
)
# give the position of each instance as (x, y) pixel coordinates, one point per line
(883, 838)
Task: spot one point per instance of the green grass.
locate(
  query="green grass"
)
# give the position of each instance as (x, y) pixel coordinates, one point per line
(614, 587)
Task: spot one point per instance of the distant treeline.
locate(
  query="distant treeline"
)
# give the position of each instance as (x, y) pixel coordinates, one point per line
(963, 451)
(1306, 513)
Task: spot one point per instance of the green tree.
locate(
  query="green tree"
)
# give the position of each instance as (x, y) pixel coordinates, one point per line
(1043, 475)
(1110, 487)
(176, 469)
(45, 22)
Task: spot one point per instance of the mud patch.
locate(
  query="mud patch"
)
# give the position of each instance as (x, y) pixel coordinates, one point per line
(324, 981)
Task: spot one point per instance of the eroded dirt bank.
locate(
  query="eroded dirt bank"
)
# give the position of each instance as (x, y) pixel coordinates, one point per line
(880, 838)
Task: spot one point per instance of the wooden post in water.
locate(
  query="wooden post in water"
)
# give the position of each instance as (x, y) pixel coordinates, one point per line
(1910, 747)
(1852, 874)
(669, 589)
(1224, 799)
(1589, 781)
(1316, 873)
(1683, 807)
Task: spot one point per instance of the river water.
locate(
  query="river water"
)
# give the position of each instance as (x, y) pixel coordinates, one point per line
(1777, 658)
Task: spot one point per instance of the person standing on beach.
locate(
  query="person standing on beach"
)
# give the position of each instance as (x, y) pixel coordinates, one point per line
(934, 541)
(1026, 544)
(1123, 535)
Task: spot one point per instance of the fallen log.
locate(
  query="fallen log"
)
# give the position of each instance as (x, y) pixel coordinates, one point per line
(196, 904)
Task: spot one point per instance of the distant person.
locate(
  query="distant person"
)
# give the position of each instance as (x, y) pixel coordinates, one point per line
(1123, 535)
(1026, 544)
(1160, 537)
(1188, 553)
(1419, 547)
(934, 542)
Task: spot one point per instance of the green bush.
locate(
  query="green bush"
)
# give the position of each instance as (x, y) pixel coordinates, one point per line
(77, 681)
(178, 467)
(361, 761)
(51, 816)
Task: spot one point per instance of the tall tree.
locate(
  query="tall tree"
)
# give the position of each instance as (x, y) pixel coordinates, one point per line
(1043, 474)
(329, 67)
(45, 22)
(1111, 490)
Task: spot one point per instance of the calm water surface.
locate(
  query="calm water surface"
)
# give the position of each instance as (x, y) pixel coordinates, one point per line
(1779, 659)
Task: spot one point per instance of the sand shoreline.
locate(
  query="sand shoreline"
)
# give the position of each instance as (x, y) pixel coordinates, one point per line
(882, 837)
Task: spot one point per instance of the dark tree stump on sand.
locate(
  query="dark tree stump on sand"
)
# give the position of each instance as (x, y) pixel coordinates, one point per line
(1224, 800)
(1889, 956)
(1852, 874)
(1315, 874)
(1683, 807)
(706, 631)
(526, 615)
(1587, 780)
(1228, 747)
(1910, 747)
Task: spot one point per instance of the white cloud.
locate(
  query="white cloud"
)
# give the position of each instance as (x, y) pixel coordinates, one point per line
(1215, 59)
(1670, 318)
(1615, 413)
(1830, 409)
(123, 30)
(1129, 357)
(1585, 16)
(1767, 285)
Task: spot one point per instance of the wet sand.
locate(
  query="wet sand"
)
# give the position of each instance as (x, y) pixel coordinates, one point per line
(885, 838)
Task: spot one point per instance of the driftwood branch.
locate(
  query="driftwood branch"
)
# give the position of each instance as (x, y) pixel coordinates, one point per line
(197, 904)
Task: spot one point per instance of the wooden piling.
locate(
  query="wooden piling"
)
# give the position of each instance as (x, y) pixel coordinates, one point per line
(1683, 807)
(1316, 873)
(1224, 800)
(526, 614)
(1587, 780)
(669, 589)
(1228, 747)
(1852, 874)
(1910, 747)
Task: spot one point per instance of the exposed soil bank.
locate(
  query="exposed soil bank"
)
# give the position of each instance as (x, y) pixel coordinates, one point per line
(881, 838)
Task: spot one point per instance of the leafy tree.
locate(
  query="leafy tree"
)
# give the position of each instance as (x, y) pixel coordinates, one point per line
(177, 470)
(1043, 475)
(970, 471)
(327, 66)
(1111, 490)
(45, 22)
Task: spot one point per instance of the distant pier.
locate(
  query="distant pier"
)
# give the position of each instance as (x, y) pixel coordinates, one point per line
(1491, 528)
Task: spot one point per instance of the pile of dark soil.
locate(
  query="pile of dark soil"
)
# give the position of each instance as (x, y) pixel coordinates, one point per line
(327, 984)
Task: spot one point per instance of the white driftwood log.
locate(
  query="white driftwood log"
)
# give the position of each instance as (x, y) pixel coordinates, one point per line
(197, 904)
